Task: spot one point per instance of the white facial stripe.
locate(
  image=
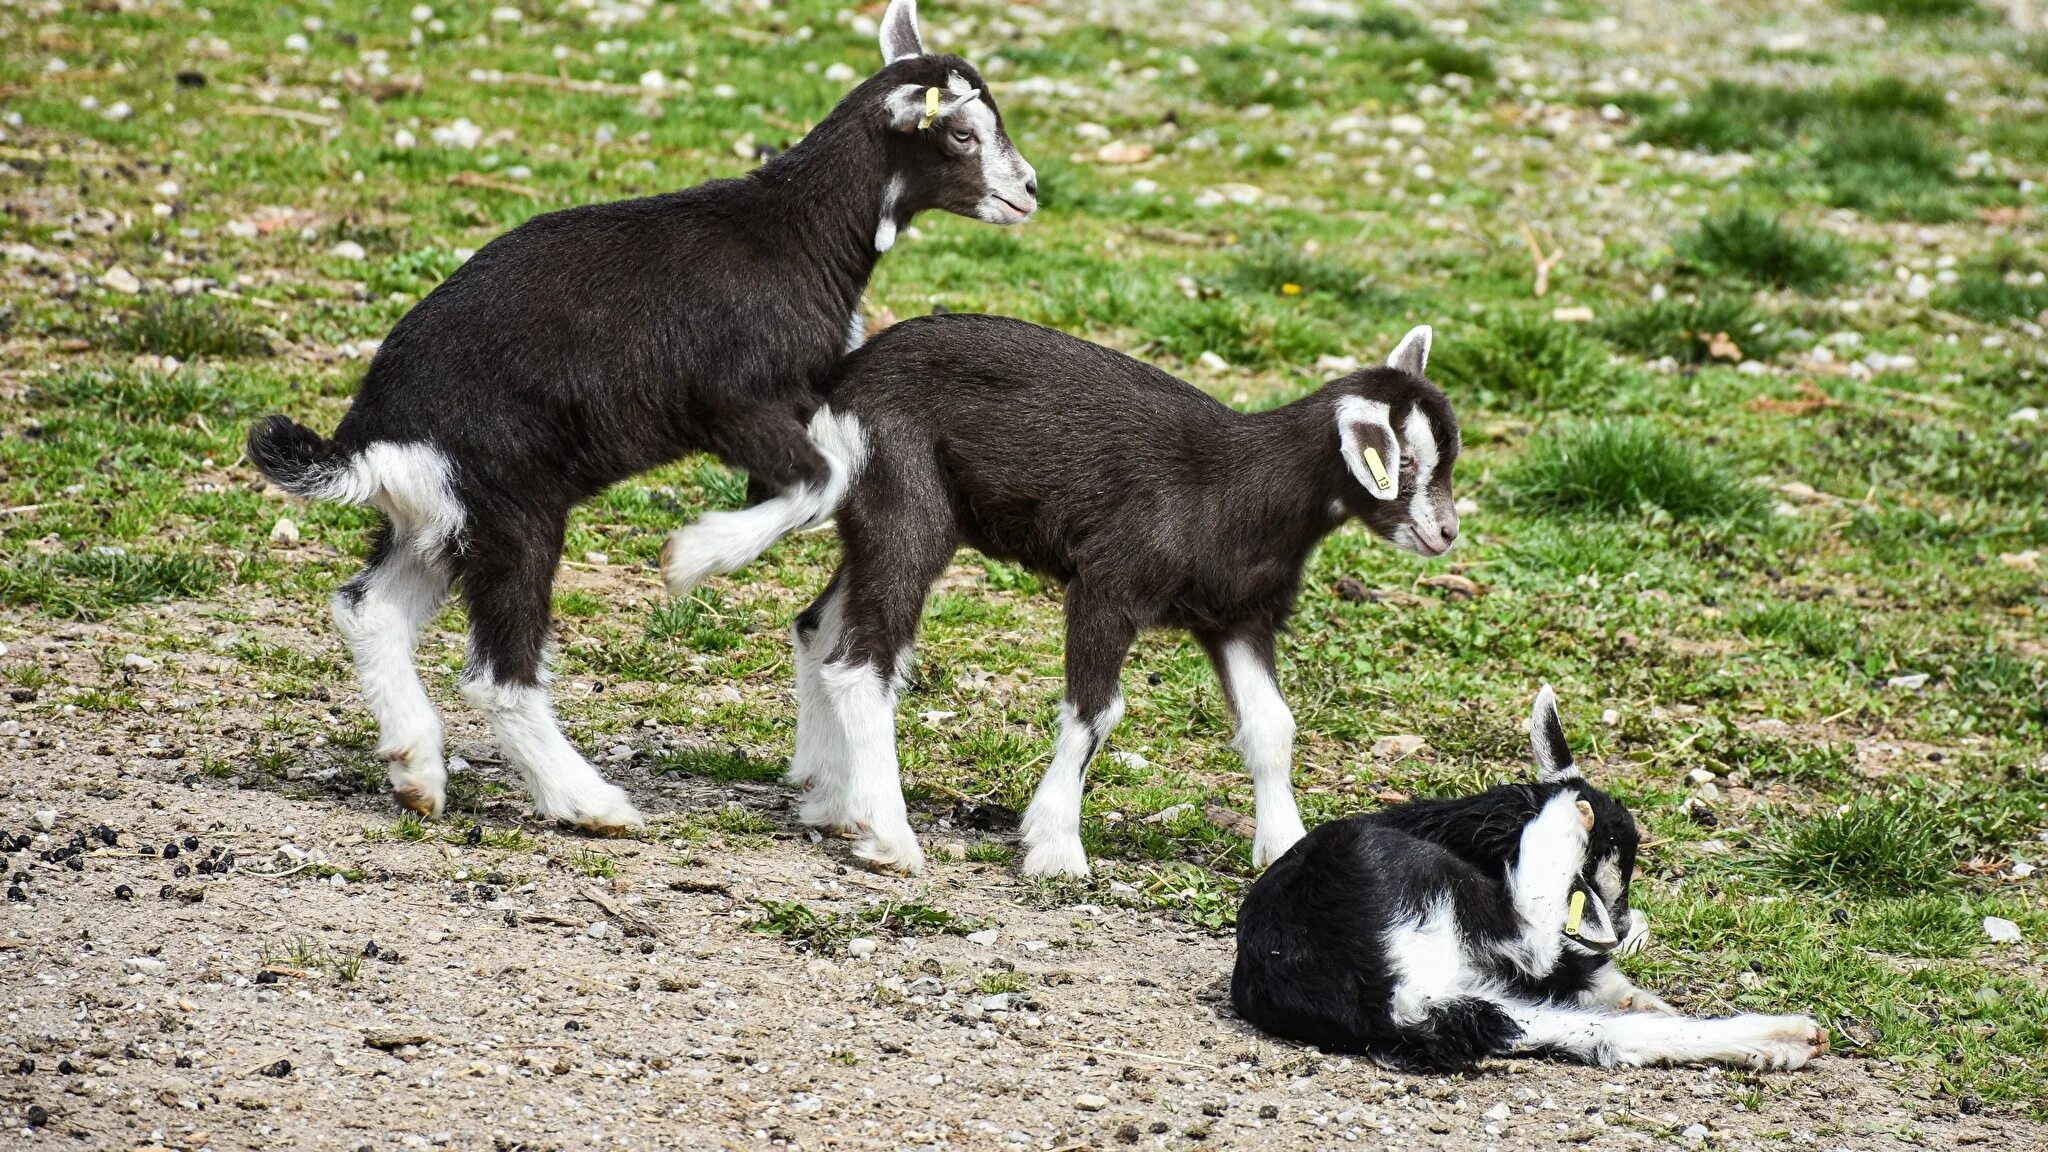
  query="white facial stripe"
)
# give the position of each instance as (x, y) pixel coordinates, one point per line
(1351, 412)
(1607, 878)
(1420, 443)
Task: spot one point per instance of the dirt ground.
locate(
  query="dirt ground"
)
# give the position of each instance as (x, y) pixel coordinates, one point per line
(478, 996)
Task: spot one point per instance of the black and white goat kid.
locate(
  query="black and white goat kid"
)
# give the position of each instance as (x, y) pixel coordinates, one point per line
(1153, 504)
(1433, 934)
(594, 343)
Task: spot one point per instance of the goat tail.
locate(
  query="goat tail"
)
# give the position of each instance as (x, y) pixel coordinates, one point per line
(723, 542)
(411, 483)
(296, 458)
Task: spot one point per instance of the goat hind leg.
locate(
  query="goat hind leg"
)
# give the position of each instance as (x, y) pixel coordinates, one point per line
(508, 582)
(819, 765)
(380, 613)
(1098, 639)
(808, 467)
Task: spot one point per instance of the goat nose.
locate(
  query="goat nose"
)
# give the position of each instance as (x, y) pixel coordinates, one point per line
(1031, 186)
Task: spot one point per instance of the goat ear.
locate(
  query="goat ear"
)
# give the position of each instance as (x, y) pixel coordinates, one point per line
(1365, 438)
(1546, 737)
(900, 40)
(906, 106)
(1412, 353)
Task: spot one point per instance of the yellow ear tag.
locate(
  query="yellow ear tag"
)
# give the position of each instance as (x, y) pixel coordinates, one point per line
(1379, 470)
(1572, 918)
(931, 109)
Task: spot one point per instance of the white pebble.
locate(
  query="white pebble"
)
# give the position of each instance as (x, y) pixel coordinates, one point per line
(284, 531)
(145, 965)
(1090, 1102)
(2001, 930)
(347, 250)
(1498, 1112)
(138, 662)
(45, 819)
(597, 929)
(861, 946)
(840, 72)
(985, 937)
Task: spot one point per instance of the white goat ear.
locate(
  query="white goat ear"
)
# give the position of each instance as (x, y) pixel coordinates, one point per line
(1546, 739)
(900, 39)
(1412, 353)
(1365, 438)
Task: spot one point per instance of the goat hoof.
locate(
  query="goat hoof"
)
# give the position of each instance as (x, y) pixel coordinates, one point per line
(897, 853)
(419, 799)
(1056, 859)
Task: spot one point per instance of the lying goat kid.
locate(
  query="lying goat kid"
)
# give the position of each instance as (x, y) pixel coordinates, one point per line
(1433, 934)
(594, 343)
(1152, 503)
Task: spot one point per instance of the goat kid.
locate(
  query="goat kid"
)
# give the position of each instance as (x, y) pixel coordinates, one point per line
(597, 342)
(1153, 504)
(1434, 934)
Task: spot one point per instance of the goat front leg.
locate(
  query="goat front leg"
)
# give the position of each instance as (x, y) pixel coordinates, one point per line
(1612, 990)
(807, 466)
(1265, 738)
(1766, 1043)
(1099, 637)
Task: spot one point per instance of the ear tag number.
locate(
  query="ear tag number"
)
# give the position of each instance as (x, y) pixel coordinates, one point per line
(931, 109)
(1578, 911)
(1378, 469)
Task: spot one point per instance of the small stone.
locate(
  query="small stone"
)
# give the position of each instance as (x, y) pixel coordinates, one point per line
(598, 558)
(146, 965)
(45, 819)
(1694, 1132)
(1498, 1112)
(1397, 747)
(1910, 682)
(284, 532)
(1700, 776)
(1709, 792)
(123, 892)
(1610, 717)
(1000, 1002)
(347, 250)
(136, 661)
(279, 1070)
(1090, 1102)
(985, 937)
(120, 279)
(597, 929)
(862, 946)
(1211, 362)
(2001, 930)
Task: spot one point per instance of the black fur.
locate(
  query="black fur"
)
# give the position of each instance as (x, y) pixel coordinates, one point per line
(594, 343)
(1153, 504)
(1311, 959)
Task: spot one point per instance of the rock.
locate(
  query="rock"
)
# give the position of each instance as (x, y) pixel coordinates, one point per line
(862, 946)
(1331, 367)
(1709, 792)
(1407, 124)
(597, 929)
(45, 819)
(1466, 506)
(1578, 314)
(146, 965)
(1090, 1102)
(985, 937)
(1398, 747)
(1168, 815)
(951, 849)
(136, 661)
(1000, 1002)
(1694, 1132)
(1610, 717)
(461, 134)
(347, 250)
(2001, 930)
(1123, 152)
(120, 279)
(1700, 776)
(840, 73)
(1910, 682)
(1211, 362)
(1497, 1113)
(598, 558)
(2027, 415)
(1231, 821)
(284, 532)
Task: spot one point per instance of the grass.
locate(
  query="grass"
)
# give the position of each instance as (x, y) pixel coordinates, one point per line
(1870, 847)
(1522, 359)
(1916, 9)
(1695, 330)
(829, 932)
(1625, 467)
(1764, 249)
(187, 327)
(1622, 543)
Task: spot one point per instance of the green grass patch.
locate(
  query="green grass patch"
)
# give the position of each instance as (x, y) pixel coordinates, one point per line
(91, 585)
(187, 327)
(1627, 467)
(1519, 358)
(1761, 247)
(1695, 330)
(828, 932)
(1874, 846)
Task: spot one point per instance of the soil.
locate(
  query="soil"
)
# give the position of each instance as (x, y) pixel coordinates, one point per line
(471, 996)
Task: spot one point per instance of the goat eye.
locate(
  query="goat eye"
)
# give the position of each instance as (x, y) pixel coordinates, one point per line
(963, 135)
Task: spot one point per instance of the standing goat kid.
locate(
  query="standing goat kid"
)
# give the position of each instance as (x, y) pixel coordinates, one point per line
(1155, 506)
(594, 343)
